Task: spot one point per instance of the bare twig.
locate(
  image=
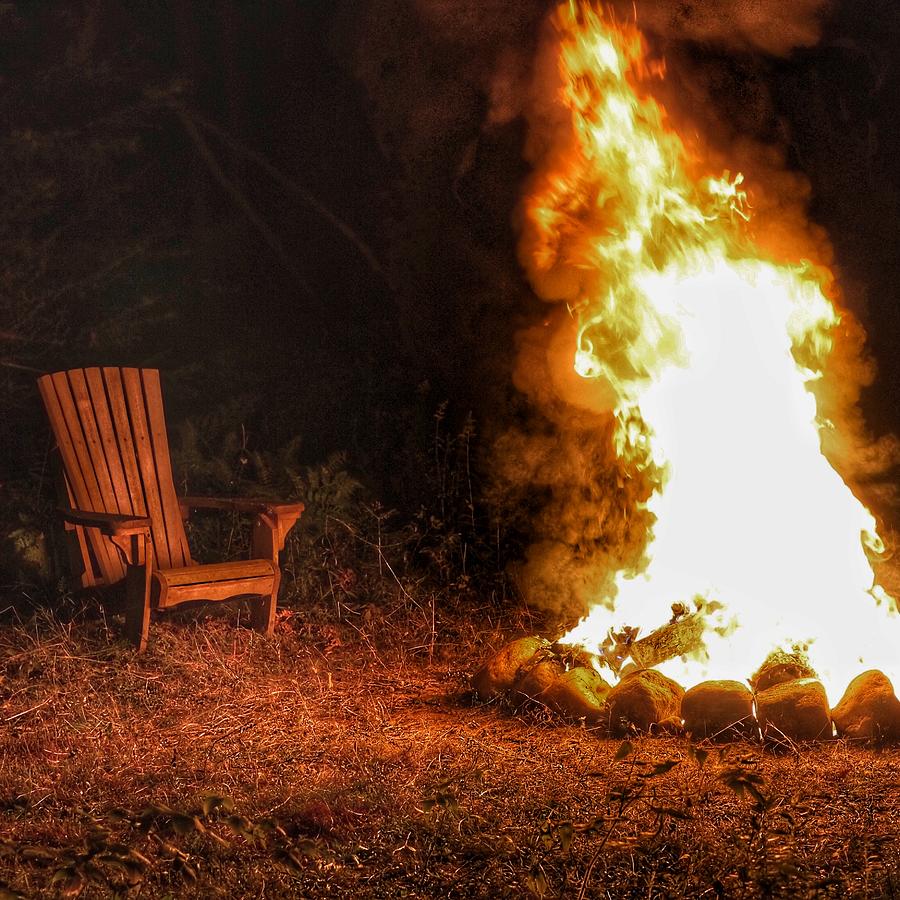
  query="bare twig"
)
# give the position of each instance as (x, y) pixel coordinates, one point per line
(277, 175)
(240, 200)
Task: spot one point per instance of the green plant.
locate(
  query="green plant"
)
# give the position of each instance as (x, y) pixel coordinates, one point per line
(456, 531)
(348, 544)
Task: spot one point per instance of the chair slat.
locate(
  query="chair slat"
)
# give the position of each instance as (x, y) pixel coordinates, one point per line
(86, 415)
(75, 480)
(111, 450)
(86, 488)
(211, 573)
(119, 409)
(134, 393)
(179, 554)
(222, 590)
(89, 573)
(64, 447)
(113, 569)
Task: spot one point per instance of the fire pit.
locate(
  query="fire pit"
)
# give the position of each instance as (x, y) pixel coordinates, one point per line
(785, 700)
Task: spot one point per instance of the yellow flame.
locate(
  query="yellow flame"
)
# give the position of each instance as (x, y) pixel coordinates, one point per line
(710, 347)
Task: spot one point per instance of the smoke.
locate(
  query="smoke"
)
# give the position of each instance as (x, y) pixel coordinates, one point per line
(584, 505)
(481, 23)
(762, 26)
(766, 26)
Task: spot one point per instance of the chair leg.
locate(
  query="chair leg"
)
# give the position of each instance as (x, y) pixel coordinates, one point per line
(137, 605)
(262, 611)
(265, 545)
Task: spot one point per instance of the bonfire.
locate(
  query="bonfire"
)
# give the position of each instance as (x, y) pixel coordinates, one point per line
(715, 341)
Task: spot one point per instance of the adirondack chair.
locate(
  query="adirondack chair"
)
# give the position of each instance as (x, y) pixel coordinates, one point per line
(124, 518)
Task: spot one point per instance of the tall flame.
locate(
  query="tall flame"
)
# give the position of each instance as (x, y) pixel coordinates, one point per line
(710, 347)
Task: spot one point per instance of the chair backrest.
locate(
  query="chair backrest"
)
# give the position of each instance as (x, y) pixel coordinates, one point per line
(111, 433)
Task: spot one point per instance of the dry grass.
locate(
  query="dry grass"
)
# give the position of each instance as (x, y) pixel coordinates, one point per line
(354, 767)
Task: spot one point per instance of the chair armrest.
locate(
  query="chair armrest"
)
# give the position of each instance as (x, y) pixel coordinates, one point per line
(110, 524)
(129, 534)
(273, 520)
(242, 504)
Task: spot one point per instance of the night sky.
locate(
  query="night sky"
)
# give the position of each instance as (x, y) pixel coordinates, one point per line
(299, 208)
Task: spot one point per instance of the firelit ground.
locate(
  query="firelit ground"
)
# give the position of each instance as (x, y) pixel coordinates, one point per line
(343, 759)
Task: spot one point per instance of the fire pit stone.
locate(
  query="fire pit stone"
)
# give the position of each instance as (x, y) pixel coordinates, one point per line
(641, 700)
(537, 676)
(502, 670)
(578, 694)
(720, 709)
(796, 709)
(671, 725)
(780, 667)
(868, 709)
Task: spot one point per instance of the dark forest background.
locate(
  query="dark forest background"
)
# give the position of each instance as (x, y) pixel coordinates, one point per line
(300, 213)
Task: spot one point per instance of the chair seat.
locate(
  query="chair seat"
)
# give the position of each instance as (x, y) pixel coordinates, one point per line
(217, 581)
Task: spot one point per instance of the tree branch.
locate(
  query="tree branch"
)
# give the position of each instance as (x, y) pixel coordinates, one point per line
(277, 175)
(240, 199)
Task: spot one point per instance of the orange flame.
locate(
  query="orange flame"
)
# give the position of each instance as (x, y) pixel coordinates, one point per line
(710, 347)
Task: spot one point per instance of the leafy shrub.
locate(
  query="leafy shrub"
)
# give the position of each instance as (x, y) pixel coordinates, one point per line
(347, 541)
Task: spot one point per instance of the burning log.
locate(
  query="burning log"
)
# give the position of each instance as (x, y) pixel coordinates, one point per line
(680, 637)
(868, 709)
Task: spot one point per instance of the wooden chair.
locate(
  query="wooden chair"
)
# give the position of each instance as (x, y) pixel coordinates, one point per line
(124, 519)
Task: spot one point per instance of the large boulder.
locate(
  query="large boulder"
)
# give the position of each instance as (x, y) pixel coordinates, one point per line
(720, 709)
(578, 694)
(794, 709)
(641, 700)
(868, 709)
(503, 669)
